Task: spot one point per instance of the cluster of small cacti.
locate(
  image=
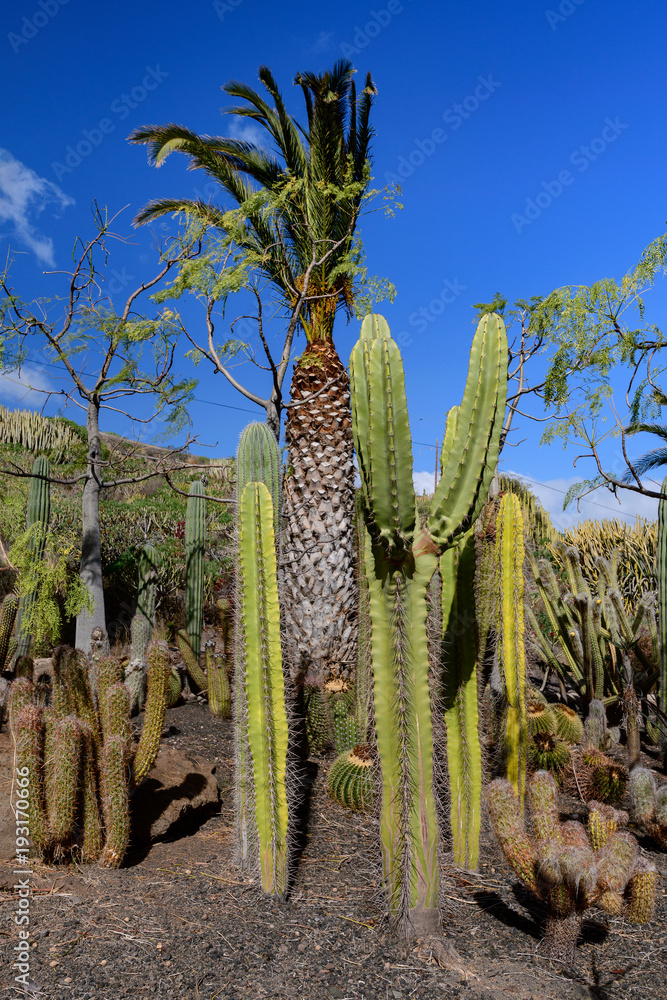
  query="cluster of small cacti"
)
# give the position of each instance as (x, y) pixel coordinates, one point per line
(351, 779)
(568, 867)
(79, 755)
(36, 433)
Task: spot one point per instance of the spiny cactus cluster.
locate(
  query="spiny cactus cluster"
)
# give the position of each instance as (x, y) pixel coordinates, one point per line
(331, 720)
(649, 804)
(568, 867)
(79, 755)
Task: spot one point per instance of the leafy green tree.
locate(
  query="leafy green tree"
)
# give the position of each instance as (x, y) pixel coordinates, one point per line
(585, 333)
(102, 351)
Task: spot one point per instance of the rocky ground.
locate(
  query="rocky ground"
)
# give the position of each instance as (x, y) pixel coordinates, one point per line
(180, 920)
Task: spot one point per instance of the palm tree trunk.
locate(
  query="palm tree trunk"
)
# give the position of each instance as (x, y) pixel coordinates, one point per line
(91, 554)
(320, 597)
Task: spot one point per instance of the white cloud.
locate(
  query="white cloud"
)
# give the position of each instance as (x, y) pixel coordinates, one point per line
(28, 387)
(599, 505)
(23, 196)
(245, 131)
(423, 482)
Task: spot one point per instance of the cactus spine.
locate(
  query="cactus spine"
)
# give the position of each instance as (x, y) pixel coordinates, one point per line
(195, 544)
(39, 511)
(400, 561)
(509, 562)
(264, 724)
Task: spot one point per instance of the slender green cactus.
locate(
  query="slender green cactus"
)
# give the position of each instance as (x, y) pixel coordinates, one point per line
(258, 461)
(38, 514)
(174, 687)
(191, 660)
(568, 868)
(195, 545)
(219, 691)
(115, 801)
(92, 839)
(159, 668)
(262, 807)
(21, 693)
(63, 778)
(464, 750)
(512, 656)
(400, 560)
(29, 737)
(8, 611)
(662, 605)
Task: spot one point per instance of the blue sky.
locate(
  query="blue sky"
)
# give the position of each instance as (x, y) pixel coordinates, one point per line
(481, 109)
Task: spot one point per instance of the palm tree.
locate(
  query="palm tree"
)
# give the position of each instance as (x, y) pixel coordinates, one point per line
(296, 223)
(656, 458)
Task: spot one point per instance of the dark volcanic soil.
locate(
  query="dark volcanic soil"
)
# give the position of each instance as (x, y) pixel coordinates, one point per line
(182, 921)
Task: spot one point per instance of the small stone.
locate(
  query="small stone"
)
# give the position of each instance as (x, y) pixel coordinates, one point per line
(159, 946)
(168, 962)
(103, 962)
(67, 979)
(53, 964)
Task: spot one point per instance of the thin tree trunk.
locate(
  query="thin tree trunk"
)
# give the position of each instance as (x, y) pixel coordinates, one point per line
(91, 553)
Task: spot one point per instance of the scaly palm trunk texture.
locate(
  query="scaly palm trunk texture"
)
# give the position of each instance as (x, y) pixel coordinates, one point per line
(320, 598)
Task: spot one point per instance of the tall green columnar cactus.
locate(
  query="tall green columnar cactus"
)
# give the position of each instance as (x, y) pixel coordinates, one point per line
(195, 544)
(512, 654)
(464, 751)
(262, 807)
(159, 668)
(662, 605)
(400, 561)
(258, 461)
(39, 511)
(8, 611)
